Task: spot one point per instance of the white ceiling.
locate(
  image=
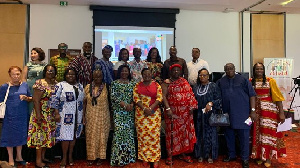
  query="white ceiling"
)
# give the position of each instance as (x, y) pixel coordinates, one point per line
(199, 5)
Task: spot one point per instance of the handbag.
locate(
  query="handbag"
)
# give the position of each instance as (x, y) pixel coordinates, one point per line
(219, 119)
(3, 104)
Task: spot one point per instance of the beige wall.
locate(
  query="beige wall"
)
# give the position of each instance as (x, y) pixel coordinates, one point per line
(215, 33)
(54, 24)
(267, 36)
(12, 37)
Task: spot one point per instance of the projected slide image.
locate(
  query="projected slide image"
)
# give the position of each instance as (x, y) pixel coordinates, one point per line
(133, 37)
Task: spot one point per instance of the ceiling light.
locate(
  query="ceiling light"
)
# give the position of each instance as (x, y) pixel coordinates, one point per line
(286, 2)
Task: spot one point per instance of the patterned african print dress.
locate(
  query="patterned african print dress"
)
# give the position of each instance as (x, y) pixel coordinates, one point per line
(155, 69)
(181, 100)
(267, 143)
(123, 146)
(70, 106)
(97, 123)
(42, 136)
(148, 128)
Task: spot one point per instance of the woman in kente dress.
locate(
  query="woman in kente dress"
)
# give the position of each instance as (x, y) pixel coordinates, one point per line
(179, 103)
(267, 142)
(123, 146)
(97, 118)
(147, 95)
(68, 103)
(41, 131)
(34, 70)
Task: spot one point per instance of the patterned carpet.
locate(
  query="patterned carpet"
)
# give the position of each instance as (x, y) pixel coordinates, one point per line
(292, 160)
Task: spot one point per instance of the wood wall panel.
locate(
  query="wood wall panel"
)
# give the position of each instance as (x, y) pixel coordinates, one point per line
(12, 37)
(267, 36)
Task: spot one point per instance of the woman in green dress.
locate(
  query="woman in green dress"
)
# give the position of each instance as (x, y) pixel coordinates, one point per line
(123, 146)
(34, 70)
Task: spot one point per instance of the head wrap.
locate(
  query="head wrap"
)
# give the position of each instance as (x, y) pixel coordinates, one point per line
(108, 47)
(175, 65)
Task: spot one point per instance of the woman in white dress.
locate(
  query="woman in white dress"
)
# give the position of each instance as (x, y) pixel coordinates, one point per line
(68, 103)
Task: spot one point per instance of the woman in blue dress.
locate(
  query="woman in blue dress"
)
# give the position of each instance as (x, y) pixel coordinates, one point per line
(208, 96)
(68, 104)
(14, 129)
(34, 70)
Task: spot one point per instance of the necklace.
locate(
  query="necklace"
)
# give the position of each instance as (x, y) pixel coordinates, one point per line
(202, 89)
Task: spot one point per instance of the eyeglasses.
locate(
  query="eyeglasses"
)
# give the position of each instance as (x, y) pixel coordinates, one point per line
(203, 75)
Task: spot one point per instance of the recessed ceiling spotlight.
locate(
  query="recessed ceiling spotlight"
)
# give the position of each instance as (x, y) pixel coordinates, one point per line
(286, 2)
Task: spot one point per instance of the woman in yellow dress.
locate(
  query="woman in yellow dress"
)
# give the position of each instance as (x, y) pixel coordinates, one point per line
(147, 95)
(97, 118)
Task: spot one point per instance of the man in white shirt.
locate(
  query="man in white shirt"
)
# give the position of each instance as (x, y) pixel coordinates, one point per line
(194, 66)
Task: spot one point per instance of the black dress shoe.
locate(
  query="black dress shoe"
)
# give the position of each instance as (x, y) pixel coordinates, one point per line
(245, 164)
(228, 159)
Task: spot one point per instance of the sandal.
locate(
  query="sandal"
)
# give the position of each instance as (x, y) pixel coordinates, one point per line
(13, 166)
(145, 164)
(169, 161)
(267, 164)
(200, 159)
(99, 162)
(62, 165)
(71, 162)
(259, 162)
(210, 160)
(90, 162)
(187, 159)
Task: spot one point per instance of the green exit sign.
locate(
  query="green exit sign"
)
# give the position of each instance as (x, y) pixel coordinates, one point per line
(63, 3)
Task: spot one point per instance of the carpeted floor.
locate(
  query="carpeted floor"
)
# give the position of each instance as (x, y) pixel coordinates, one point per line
(292, 160)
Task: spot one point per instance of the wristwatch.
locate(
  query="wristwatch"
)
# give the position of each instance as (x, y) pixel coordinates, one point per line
(252, 109)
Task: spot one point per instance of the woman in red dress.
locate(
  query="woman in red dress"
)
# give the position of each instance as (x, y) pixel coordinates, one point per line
(179, 101)
(267, 142)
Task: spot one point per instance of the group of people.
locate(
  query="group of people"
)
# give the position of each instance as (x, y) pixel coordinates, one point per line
(71, 94)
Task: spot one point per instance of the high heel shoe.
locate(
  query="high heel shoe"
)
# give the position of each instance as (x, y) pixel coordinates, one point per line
(23, 162)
